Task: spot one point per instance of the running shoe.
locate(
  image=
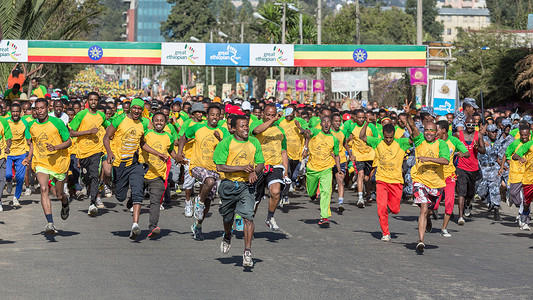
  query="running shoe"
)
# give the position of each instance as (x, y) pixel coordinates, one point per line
(161, 207)
(225, 245)
(435, 215)
(239, 224)
(468, 211)
(16, 202)
(79, 195)
(177, 189)
(107, 191)
(497, 216)
(155, 232)
(341, 207)
(99, 203)
(420, 247)
(27, 192)
(135, 232)
(1, 208)
(50, 229)
(9, 187)
(146, 194)
(247, 259)
(508, 201)
(272, 224)
(129, 204)
(198, 209)
(385, 238)
(93, 210)
(197, 232)
(188, 210)
(445, 233)
(131, 209)
(461, 221)
(65, 211)
(524, 223)
(291, 188)
(360, 203)
(429, 225)
(324, 222)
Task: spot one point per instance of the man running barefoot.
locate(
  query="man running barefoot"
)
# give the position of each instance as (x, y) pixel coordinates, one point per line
(235, 157)
(48, 151)
(389, 180)
(323, 149)
(428, 175)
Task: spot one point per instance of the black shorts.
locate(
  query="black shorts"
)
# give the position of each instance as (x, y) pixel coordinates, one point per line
(364, 166)
(264, 180)
(343, 168)
(466, 183)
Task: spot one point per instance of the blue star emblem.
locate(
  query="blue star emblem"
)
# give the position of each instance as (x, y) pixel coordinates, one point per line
(360, 55)
(95, 52)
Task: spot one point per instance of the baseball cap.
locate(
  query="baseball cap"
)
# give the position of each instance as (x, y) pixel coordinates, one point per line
(515, 116)
(178, 99)
(246, 105)
(492, 128)
(428, 110)
(528, 119)
(197, 107)
(506, 122)
(235, 110)
(471, 102)
(227, 100)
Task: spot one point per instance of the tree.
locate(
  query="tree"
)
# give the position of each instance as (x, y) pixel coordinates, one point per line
(429, 14)
(511, 14)
(188, 18)
(110, 22)
(376, 26)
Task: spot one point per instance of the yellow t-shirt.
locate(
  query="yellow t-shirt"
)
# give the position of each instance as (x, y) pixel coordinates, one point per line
(53, 132)
(321, 146)
(162, 143)
(127, 138)
(453, 144)
(89, 144)
(5, 134)
(204, 145)
(360, 149)
(272, 141)
(428, 173)
(238, 153)
(295, 141)
(20, 133)
(340, 135)
(389, 158)
(398, 132)
(516, 169)
(187, 150)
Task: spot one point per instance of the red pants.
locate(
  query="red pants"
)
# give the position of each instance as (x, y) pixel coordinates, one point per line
(387, 194)
(528, 194)
(449, 196)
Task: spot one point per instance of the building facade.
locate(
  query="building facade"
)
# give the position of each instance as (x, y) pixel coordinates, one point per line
(464, 18)
(144, 20)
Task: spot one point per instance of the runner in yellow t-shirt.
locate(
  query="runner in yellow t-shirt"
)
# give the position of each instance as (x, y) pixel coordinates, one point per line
(341, 135)
(516, 171)
(18, 151)
(239, 160)
(49, 155)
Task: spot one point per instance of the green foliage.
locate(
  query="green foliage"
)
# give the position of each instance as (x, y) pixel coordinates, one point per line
(376, 27)
(429, 14)
(188, 18)
(492, 70)
(110, 22)
(511, 14)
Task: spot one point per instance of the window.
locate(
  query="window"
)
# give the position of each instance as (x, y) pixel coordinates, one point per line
(449, 18)
(449, 31)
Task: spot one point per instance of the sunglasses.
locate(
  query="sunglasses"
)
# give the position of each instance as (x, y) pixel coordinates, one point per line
(431, 130)
(470, 125)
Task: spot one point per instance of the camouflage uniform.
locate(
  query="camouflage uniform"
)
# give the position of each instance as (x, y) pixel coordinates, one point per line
(489, 185)
(502, 143)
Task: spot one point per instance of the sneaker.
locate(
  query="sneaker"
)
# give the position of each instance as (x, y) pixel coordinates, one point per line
(272, 224)
(239, 224)
(524, 223)
(79, 195)
(341, 207)
(461, 221)
(131, 209)
(518, 220)
(435, 215)
(197, 233)
(324, 222)
(135, 232)
(445, 233)
(1, 208)
(146, 194)
(247, 259)
(497, 216)
(198, 209)
(477, 197)
(155, 232)
(9, 187)
(360, 203)
(291, 188)
(468, 211)
(93, 210)
(285, 200)
(420, 247)
(99, 203)
(508, 201)
(107, 191)
(525, 227)
(27, 192)
(16, 202)
(385, 238)
(50, 229)
(225, 245)
(129, 204)
(161, 207)
(188, 210)
(65, 211)
(429, 225)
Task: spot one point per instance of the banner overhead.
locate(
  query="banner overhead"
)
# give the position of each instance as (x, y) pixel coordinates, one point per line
(271, 55)
(14, 51)
(183, 54)
(227, 54)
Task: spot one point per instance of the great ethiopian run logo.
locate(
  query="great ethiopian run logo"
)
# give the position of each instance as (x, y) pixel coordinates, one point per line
(11, 50)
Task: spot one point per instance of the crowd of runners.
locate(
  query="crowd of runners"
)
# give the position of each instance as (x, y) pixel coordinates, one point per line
(260, 150)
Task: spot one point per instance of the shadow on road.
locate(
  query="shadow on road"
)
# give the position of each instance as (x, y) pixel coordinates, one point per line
(412, 246)
(519, 234)
(212, 235)
(61, 233)
(315, 221)
(271, 236)
(379, 234)
(236, 260)
(4, 242)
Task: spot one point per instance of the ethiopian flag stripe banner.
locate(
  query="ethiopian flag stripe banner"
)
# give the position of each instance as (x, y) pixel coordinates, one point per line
(94, 52)
(359, 56)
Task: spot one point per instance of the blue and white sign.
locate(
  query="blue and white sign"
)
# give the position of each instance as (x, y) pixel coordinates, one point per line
(227, 54)
(444, 96)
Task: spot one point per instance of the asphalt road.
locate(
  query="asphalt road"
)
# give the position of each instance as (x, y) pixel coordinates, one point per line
(94, 258)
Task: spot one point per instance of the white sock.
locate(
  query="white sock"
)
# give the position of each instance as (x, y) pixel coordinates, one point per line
(134, 225)
(341, 200)
(360, 194)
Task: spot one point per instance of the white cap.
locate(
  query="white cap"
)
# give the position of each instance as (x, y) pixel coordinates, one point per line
(227, 100)
(246, 105)
(237, 102)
